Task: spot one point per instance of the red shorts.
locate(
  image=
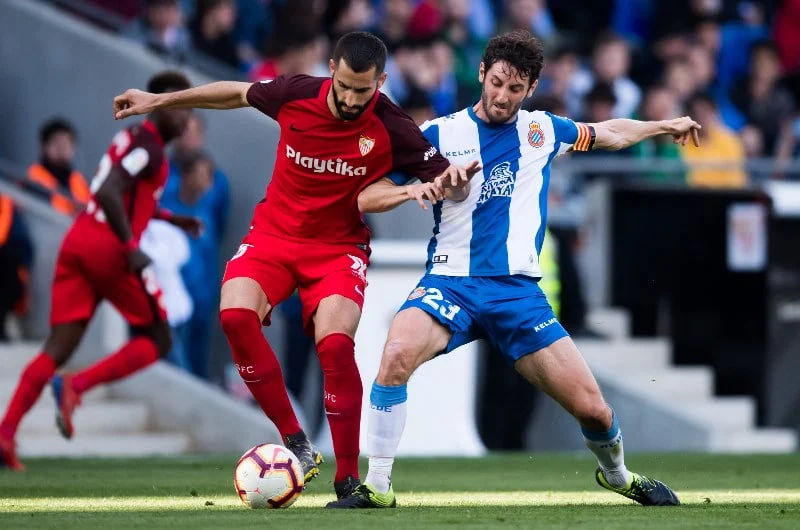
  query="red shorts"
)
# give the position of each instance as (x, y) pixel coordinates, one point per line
(92, 267)
(316, 270)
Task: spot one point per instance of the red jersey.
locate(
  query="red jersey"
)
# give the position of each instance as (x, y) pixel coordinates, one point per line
(138, 152)
(322, 162)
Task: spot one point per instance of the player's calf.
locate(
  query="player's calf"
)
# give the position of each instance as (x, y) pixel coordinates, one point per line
(162, 337)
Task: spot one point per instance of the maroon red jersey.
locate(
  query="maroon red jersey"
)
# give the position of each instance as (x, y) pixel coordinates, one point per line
(322, 162)
(138, 152)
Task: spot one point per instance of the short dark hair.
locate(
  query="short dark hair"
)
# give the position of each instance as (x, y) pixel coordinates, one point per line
(361, 51)
(188, 161)
(518, 48)
(701, 97)
(601, 93)
(53, 126)
(167, 81)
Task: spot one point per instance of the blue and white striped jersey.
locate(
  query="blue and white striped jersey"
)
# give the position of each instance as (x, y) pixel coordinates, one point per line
(499, 229)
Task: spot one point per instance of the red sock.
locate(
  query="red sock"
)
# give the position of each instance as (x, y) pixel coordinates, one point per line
(342, 400)
(138, 353)
(259, 367)
(31, 382)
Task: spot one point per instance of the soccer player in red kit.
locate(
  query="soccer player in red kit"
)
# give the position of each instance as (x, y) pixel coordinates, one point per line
(100, 259)
(338, 135)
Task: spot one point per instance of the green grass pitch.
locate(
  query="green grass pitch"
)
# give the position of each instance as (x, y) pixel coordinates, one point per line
(541, 490)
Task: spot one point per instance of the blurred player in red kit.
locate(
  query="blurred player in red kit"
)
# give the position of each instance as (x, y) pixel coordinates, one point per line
(100, 259)
(338, 135)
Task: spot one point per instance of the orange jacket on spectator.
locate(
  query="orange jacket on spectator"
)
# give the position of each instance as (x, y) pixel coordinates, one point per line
(23, 272)
(78, 189)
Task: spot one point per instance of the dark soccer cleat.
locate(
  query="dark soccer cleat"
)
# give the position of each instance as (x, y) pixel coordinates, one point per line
(8, 455)
(309, 456)
(346, 486)
(66, 401)
(365, 496)
(645, 491)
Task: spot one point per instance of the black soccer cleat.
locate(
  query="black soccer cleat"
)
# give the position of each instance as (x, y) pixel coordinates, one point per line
(346, 486)
(364, 496)
(309, 456)
(645, 491)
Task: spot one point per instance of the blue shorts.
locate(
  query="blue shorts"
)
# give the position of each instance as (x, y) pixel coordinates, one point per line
(511, 312)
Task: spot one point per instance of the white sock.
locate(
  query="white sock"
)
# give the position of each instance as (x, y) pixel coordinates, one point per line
(607, 447)
(385, 424)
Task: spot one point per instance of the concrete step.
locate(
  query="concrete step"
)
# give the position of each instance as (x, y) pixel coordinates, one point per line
(611, 321)
(104, 445)
(678, 384)
(626, 356)
(769, 440)
(723, 413)
(98, 417)
(9, 383)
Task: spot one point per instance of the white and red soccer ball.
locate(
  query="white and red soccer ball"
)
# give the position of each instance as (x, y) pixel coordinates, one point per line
(268, 476)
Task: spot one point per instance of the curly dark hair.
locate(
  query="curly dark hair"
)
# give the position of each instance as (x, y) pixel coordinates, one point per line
(518, 48)
(167, 81)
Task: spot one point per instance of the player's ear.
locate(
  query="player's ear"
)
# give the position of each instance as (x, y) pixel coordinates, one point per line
(381, 80)
(481, 72)
(532, 88)
(332, 66)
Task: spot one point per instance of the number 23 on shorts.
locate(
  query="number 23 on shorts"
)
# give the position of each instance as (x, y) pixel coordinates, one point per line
(433, 298)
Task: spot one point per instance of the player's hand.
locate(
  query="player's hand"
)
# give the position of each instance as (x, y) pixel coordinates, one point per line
(188, 223)
(683, 128)
(137, 260)
(431, 191)
(458, 176)
(133, 102)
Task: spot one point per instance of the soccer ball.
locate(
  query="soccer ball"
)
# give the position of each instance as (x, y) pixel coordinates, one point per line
(268, 476)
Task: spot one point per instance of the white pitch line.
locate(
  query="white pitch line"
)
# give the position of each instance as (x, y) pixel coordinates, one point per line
(421, 499)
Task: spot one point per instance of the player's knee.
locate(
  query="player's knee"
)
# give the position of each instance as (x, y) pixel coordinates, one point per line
(236, 323)
(398, 362)
(592, 412)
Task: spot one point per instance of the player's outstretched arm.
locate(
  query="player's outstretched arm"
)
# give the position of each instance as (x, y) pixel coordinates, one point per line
(617, 134)
(219, 95)
(385, 195)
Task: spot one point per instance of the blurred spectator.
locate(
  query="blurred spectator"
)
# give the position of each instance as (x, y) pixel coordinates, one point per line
(64, 185)
(659, 103)
(196, 187)
(759, 96)
(599, 106)
(788, 144)
(558, 72)
(678, 77)
(253, 25)
(289, 54)
(701, 63)
(161, 28)
(581, 22)
(392, 22)
(425, 65)
(343, 16)
(16, 257)
(212, 30)
(418, 106)
(787, 34)
(467, 40)
(610, 64)
(718, 145)
(530, 15)
(168, 247)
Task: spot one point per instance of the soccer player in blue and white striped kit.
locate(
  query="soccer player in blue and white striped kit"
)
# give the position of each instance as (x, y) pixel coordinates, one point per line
(483, 267)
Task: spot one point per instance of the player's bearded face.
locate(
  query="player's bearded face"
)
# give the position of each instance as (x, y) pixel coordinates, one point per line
(352, 91)
(348, 112)
(504, 90)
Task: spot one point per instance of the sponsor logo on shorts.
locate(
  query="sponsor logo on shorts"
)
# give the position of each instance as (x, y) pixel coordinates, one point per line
(242, 249)
(381, 408)
(358, 267)
(358, 290)
(540, 327)
(417, 293)
(440, 258)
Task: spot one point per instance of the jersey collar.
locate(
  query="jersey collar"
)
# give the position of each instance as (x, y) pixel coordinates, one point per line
(487, 124)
